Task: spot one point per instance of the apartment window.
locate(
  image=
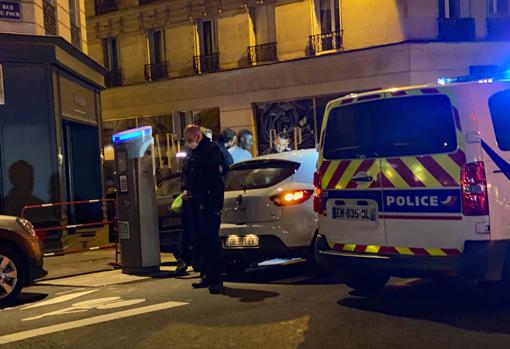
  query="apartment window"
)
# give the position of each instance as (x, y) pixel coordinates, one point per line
(329, 14)
(263, 18)
(207, 61)
(157, 67)
(330, 36)
(111, 60)
(156, 46)
(265, 24)
(50, 17)
(74, 19)
(498, 7)
(449, 8)
(111, 54)
(207, 37)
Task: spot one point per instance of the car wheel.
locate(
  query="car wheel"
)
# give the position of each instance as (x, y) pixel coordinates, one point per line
(366, 282)
(11, 275)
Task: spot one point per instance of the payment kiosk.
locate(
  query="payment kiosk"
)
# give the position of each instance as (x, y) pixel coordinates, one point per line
(136, 201)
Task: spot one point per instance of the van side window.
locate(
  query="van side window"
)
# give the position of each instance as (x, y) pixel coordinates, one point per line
(393, 127)
(499, 105)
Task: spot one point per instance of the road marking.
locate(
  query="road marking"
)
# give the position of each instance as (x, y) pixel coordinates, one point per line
(57, 300)
(15, 337)
(100, 303)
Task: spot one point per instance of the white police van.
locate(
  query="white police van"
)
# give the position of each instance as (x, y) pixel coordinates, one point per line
(415, 181)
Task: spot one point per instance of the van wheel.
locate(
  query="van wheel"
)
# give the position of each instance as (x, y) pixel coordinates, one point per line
(12, 275)
(366, 282)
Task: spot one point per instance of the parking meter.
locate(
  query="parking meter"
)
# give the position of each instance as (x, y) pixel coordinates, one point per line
(136, 201)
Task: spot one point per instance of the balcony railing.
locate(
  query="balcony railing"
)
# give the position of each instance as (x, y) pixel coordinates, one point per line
(498, 28)
(262, 53)
(156, 71)
(76, 35)
(204, 64)
(50, 18)
(114, 78)
(105, 6)
(456, 29)
(325, 42)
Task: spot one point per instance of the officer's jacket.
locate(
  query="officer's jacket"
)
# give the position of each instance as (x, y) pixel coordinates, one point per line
(203, 176)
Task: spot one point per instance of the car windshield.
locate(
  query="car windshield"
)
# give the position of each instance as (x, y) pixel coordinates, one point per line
(258, 174)
(391, 127)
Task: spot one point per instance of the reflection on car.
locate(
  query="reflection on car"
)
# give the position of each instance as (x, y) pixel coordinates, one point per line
(170, 223)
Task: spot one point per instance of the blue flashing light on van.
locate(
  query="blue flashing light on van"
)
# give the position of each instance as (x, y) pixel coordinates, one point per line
(483, 77)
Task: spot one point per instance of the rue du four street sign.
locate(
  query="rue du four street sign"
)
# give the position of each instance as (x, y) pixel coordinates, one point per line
(10, 10)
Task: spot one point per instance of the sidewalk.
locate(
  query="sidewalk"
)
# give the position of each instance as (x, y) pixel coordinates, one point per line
(87, 262)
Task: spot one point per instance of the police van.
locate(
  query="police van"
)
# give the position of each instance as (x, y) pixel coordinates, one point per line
(415, 182)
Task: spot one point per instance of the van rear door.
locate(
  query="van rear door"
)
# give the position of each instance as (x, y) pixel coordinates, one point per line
(349, 170)
(421, 146)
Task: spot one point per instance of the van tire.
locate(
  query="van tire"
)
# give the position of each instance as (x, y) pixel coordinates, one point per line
(366, 282)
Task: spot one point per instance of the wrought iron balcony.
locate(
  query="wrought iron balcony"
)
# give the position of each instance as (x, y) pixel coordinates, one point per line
(105, 6)
(204, 64)
(156, 71)
(325, 42)
(50, 18)
(262, 53)
(114, 78)
(456, 29)
(498, 28)
(76, 35)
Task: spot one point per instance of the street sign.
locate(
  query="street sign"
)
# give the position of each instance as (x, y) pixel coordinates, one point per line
(2, 95)
(10, 10)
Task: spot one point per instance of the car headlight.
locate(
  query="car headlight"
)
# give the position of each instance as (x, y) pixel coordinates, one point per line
(27, 226)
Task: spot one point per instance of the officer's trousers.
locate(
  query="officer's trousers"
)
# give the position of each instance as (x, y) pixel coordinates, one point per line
(208, 242)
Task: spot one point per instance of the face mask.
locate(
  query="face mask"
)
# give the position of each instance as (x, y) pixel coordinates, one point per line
(193, 145)
(280, 148)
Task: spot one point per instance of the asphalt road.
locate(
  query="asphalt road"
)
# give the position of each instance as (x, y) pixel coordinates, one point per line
(273, 307)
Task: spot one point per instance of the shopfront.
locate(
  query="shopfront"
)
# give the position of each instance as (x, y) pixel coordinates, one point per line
(49, 130)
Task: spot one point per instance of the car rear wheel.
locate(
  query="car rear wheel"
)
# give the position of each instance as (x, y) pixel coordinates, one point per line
(366, 282)
(11, 275)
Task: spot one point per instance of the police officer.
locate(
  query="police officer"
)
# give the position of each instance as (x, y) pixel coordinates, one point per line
(203, 183)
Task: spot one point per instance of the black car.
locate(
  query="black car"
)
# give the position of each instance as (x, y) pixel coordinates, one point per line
(170, 223)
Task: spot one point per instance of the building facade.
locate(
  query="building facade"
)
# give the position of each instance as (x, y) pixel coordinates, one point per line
(272, 65)
(65, 18)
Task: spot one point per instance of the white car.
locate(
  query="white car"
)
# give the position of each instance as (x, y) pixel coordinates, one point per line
(268, 211)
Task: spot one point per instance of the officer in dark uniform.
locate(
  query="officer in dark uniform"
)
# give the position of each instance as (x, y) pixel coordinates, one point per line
(203, 184)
